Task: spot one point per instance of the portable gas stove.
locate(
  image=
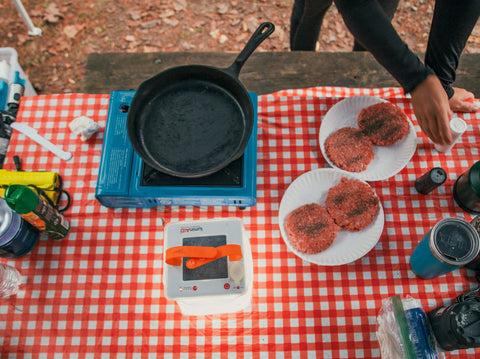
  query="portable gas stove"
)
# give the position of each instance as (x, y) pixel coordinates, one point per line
(125, 181)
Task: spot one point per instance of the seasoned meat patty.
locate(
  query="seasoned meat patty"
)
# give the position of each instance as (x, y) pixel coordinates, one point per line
(384, 123)
(349, 149)
(310, 228)
(352, 204)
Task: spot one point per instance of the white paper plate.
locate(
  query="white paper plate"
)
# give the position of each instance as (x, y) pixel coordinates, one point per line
(312, 187)
(388, 161)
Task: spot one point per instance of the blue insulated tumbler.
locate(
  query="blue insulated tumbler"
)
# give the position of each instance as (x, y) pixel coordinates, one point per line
(450, 244)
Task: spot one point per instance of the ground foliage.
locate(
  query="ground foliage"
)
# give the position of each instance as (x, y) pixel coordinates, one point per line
(55, 61)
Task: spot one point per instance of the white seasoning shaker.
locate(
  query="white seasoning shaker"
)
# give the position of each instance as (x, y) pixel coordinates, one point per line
(458, 127)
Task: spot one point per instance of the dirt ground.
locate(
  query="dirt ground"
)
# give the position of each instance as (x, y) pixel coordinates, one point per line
(55, 61)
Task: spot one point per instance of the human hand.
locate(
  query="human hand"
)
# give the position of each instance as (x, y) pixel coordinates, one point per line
(432, 110)
(462, 101)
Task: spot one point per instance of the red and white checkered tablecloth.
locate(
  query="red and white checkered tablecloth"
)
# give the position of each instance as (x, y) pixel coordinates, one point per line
(98, 293)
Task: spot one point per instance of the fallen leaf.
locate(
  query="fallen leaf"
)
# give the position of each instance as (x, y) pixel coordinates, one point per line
(223, 39)
(70, 31)
(149, 24)
(35, 13)
(170, 22)
(179, 5)
(213, 26)
(52, 13)
(252, 23)
(22, 38)
(214, 34)
(222, 8)
(149, 49)
(241, 38)
(63, 44)
(135, 15)
(187, 46)
(168, 13)
(52, 51)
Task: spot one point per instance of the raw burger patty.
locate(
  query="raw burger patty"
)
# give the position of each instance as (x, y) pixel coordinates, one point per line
(310, 228)
(349, 149)
(384, 123)
(352, 204)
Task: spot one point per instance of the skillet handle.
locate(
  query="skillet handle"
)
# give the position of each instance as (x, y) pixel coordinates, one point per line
(262, 32)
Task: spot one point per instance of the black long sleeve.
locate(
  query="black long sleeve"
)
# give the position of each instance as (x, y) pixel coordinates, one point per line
(452, 24)
(371, 27)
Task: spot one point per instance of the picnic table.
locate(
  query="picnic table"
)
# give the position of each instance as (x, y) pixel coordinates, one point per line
(99, 291)
(264, 72)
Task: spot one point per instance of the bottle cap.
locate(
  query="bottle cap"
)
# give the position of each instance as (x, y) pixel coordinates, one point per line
(455, 241)
(21, 198)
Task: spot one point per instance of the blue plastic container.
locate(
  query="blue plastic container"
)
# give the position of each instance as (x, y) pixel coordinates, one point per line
(3, 95)
(450, 244)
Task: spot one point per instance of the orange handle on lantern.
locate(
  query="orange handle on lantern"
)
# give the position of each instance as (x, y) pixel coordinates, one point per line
(198, 255)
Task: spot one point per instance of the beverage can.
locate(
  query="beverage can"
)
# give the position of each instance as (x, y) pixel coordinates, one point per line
(33, 208)
(17, 236)
(450, 244)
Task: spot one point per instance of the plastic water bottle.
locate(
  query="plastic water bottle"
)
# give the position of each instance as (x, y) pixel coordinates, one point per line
(10, 279)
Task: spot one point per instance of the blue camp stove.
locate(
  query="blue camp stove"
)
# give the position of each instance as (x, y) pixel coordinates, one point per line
(125, 181)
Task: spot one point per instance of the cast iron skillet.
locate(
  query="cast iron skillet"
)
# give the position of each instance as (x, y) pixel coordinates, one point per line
(192, 121)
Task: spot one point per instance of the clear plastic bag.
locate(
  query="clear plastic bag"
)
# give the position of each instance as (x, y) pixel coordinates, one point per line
(404, 332)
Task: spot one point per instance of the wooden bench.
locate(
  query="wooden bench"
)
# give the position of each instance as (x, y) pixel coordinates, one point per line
(264, 72)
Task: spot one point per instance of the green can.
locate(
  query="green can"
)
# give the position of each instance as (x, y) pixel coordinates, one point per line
(36, 210)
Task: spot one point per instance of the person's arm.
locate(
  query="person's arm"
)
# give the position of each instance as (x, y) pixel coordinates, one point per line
(452, 24)
(371, 27)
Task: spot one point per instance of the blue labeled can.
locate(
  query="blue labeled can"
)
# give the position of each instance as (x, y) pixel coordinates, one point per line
(450, 244)
(17, 236)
